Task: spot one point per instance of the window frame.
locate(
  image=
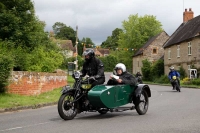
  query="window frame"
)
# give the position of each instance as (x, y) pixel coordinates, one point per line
(189, 48)
(178, 51)
(169, 53)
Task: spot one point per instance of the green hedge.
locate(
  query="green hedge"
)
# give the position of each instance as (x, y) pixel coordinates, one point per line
(6, 65)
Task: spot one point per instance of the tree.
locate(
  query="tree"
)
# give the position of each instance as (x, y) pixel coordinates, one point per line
(19, 24)
(112, 41)
(136, 32)
(87, 42)
(64, 32)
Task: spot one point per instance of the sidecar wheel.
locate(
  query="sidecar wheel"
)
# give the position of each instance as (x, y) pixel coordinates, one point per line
(142, 104)
(66, 110)
(102, 111)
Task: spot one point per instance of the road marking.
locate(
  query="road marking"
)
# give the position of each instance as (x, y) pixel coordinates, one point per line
(15, 128)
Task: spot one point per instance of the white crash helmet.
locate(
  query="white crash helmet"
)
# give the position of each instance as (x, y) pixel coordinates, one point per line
(171, 68)
(120, 66)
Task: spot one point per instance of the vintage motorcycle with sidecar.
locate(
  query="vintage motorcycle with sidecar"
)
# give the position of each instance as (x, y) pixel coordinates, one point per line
(101, 98)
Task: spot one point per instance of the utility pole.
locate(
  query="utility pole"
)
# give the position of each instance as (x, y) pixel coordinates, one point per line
(76, 47)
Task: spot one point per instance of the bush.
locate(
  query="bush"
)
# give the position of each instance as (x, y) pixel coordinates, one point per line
(182, 72)
(186, 81)
(162, 80)
(146, 70)
(6, 65)
(109, 62)
(195, 81)
(157, 69)
(42, 60)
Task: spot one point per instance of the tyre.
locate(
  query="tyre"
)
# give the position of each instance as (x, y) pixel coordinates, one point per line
(178, 87)
(66, 109)
(143, 103)
(102, 111)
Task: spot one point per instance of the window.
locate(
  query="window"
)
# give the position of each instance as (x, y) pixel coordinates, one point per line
(169, 53)
(178, 50)
(154, 50)
(189, 48)
(189, 67)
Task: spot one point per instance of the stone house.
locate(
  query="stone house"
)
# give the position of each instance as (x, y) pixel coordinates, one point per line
(183, 47)
(67, 48)
(152, 50)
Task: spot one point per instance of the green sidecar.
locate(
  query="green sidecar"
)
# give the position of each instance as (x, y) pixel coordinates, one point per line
(113, 96)
(101, 98)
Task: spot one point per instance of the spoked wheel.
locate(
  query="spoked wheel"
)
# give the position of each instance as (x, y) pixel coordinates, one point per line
(102, 111)
(143, 103)
(66, 109)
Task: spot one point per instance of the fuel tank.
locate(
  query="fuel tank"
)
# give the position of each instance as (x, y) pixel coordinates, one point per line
(109, 96)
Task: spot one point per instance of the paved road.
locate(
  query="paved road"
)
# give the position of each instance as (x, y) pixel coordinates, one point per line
(169, 112)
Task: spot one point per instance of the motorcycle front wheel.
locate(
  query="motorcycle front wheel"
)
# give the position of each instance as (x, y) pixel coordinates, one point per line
(66, 109)
(143, 104)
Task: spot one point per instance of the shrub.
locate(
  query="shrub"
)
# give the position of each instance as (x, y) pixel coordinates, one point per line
(6, 65)
(182, 72)
(186, 81)
(162, 80)
(109, 62)
(146, 70)
(195, 81)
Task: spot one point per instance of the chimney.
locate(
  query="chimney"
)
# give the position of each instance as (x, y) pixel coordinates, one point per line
(187, 15)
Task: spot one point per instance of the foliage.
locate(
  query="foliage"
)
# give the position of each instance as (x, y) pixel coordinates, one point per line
(6, 65)
(43, 60)
(20, 25)
(136, 32)
(188, 81)
(195, 81)
(109, 62)
(112, 41)
(157, 69)
(146, 70)
(64, 32)
(182, 72)
(72, 59)
(163, 79)
(85, 42)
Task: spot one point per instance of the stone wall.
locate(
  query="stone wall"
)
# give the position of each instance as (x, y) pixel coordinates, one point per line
(34, 83)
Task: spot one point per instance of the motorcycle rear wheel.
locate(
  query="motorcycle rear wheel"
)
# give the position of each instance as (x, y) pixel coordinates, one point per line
(143, 103)
(66, 109)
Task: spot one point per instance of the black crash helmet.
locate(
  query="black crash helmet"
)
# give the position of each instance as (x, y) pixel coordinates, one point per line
(89, 52)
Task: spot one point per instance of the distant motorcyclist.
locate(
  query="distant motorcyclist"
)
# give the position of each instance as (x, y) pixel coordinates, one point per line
(138, 74)
(93, 67)
(139, 77)
(172, 73)
(123, 76)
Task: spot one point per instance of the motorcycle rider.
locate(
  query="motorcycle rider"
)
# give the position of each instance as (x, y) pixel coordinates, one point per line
(172, 73)
(124, 76)
(138, 74)
(139, 77)
(93, 67)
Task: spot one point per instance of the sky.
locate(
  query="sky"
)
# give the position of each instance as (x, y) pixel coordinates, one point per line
(96, 19)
